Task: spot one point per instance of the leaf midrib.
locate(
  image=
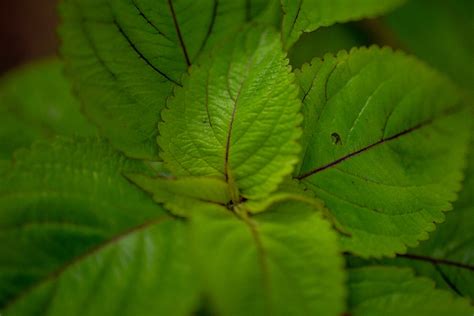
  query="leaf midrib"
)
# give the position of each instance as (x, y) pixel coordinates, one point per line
(178, 32)
(414, 128)
(437, 261)
(262, 259)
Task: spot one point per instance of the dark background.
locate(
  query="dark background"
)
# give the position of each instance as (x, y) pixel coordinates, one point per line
(27, 31)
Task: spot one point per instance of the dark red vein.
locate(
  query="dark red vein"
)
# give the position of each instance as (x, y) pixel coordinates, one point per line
(446, 279)
(210, 28)
(140, 54)
(178, 32)
(360, 151)
(142, 14)
(92, 251)
(438, 261)
(227, 145)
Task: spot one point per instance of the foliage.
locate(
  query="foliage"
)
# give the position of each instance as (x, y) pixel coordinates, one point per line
(215, 179)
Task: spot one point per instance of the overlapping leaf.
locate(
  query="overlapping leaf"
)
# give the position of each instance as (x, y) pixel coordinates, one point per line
(284, 261)
(449, 253)
(181, 195)
(76, 236)
(448, 256)
(36, 103)
(308, 15)
(236, 116)
(125, 57)
(384, 146)
(392, 291)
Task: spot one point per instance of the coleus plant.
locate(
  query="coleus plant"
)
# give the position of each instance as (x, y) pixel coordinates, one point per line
(219, 181)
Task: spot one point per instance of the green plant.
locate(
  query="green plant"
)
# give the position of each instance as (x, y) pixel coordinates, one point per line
(223, 182)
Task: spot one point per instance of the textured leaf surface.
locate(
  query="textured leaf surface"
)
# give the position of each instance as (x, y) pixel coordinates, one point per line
(388, 291)
(450, 249)
(72, 229)
(36, 103)
(308, 15)
(448, 256)
(180, 195)
(282, 262)
(142, 273)
(125, 56)
(384, 143)
(236, 117)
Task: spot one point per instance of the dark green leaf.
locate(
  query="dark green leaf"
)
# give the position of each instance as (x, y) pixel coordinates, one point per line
(383, 146)
(36, 103)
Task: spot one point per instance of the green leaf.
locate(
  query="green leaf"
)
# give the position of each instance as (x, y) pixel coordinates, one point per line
(375, 291)
(308, 15)
(36, 103)
(125, 57)
(384, 144)
(284, 261)
(145, 271)
(452, 49)
(448, 256)
(236, 117)
(71, 225)
(180, 195)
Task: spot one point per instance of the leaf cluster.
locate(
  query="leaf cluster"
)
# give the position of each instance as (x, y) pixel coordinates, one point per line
(194, 170)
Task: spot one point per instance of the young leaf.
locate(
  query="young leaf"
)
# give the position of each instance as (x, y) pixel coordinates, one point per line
(36, 103)
(125, 57)
(389, 291)
(284, 261)
(384, 144)
(236, 117)
(180, 195)
(62, 203)
(308, 15)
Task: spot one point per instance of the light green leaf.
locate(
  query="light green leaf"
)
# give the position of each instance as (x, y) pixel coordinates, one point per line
(67, 217)
(236, 117)
(308, 15)
(384, 144)
(375, 291)
(36, 103)
(125, 57)
(180, 195)
(281, 262)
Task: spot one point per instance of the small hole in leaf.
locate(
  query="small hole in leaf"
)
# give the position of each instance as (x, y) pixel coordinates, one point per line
(336, 139)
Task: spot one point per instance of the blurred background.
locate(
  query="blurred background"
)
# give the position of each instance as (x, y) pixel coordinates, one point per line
(27, 31)
(438, 31)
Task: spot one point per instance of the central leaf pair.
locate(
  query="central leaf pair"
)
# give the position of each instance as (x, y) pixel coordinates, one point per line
(236, 116)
